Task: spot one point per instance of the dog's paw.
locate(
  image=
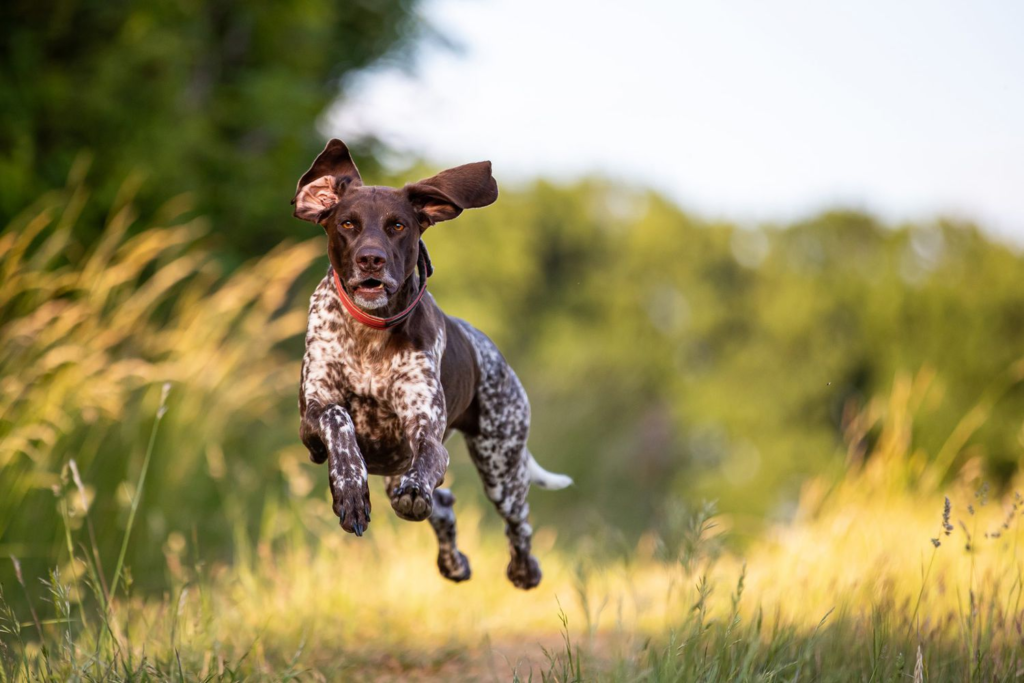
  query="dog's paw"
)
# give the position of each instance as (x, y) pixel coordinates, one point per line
(454, 566)
(352, 505)
(524, 571)
(412, 500)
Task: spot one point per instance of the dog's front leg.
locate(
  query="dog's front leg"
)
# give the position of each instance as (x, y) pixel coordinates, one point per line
(346, 467)
(418, 402)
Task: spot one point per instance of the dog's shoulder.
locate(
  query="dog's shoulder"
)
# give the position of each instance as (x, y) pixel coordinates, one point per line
(325, 314)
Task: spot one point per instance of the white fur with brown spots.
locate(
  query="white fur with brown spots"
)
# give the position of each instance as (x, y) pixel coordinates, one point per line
(383, 402)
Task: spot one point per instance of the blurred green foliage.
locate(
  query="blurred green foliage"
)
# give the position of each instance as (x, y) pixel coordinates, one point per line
(217, 98)
(667, 357)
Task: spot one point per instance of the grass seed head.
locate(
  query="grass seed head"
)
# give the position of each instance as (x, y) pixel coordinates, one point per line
(947, 508)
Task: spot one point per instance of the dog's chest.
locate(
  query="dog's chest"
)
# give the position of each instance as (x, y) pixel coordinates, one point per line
(375, 379)
(367, 384)
(379, 435)
(364, 385)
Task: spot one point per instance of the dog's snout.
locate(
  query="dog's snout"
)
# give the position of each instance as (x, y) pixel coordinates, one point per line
(371, 259)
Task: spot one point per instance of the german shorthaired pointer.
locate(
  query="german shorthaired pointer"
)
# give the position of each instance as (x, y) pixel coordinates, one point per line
(382, 391)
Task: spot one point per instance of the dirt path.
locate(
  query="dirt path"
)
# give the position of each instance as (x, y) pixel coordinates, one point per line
(489, 661)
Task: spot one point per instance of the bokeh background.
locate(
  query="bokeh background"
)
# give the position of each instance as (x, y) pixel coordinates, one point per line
(732, 246)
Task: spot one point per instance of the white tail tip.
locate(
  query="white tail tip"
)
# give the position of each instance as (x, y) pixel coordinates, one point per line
(542, 478)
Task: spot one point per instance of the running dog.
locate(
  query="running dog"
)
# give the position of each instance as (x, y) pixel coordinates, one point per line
(387, 375)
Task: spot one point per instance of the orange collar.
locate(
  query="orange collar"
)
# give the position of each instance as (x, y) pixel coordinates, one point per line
(384, 323)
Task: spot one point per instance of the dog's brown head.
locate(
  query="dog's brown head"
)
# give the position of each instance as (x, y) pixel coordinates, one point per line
(373, 233)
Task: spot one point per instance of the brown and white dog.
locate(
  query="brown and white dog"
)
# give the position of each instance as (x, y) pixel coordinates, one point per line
(387, 376)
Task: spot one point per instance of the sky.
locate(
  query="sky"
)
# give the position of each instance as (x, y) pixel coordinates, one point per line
(743, 110)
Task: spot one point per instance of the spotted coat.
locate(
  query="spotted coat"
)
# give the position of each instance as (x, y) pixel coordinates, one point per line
(373, 402)
(383, 401)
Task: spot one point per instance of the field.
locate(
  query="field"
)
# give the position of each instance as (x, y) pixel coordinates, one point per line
(162, 522)
(759, 268)
(856, 590)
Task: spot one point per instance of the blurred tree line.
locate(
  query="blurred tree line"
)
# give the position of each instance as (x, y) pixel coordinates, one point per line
(671, 358)
(216, 98)
(668, 359)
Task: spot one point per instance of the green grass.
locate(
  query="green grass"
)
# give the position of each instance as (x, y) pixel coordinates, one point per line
(665, 615)
(162, 523)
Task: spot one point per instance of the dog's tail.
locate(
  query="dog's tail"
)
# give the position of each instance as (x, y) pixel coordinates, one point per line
(544, 479)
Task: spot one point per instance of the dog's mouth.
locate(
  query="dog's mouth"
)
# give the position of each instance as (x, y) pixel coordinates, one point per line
(370, 287)
(370, 293)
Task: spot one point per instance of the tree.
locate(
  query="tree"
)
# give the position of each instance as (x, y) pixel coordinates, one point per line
(217, 98)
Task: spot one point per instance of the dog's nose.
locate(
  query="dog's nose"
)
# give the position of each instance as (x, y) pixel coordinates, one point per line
(371, 258)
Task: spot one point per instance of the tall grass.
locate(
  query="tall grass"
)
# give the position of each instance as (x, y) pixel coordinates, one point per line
(854, 589)
(119, 528)
(91, 333)
(819, 599)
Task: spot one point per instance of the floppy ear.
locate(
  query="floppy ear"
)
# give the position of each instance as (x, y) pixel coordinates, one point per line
(325, 181)
(444, 196)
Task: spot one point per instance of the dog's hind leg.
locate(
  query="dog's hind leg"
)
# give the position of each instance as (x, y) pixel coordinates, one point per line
(497, 446)
(452, 563)
(502, 464)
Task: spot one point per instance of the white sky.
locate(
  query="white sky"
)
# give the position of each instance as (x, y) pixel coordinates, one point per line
(747, 110)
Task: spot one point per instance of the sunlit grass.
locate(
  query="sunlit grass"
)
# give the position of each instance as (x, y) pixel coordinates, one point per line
(853, 587)
(90, 334)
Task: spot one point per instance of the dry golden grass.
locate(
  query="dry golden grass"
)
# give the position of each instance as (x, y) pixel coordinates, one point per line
(91, 334)
(376, 607)
(852, 588)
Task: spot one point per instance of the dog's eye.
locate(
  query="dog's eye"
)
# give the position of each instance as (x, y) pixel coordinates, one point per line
(399, 227)
(348, 225)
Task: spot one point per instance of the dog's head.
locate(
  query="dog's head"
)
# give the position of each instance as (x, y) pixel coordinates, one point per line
(373, 233)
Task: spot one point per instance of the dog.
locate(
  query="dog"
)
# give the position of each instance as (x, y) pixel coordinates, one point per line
(387, 375)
